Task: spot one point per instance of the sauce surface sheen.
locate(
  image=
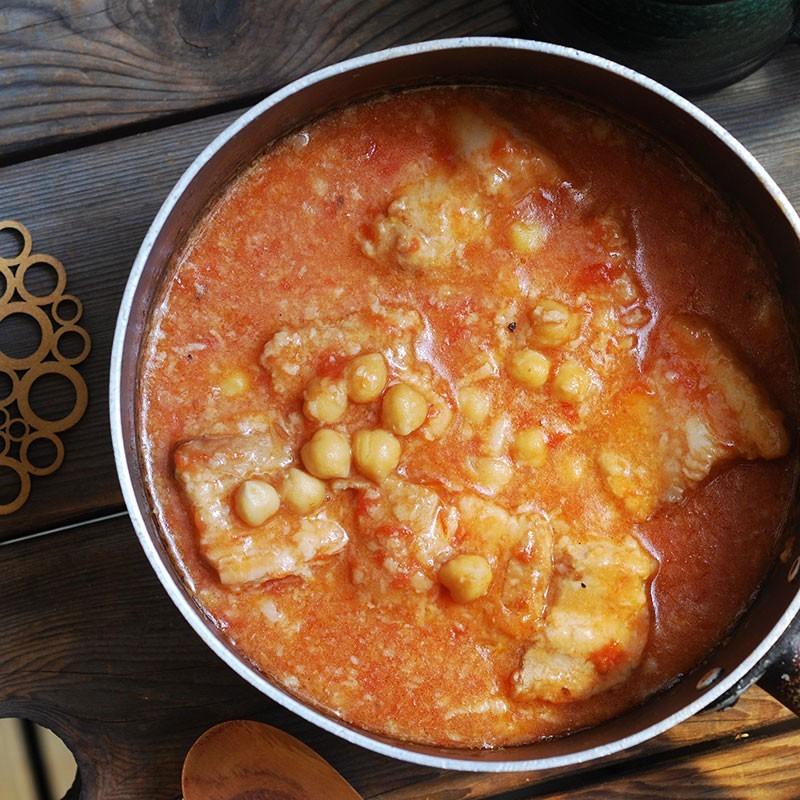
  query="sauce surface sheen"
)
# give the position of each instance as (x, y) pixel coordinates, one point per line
(598, 477)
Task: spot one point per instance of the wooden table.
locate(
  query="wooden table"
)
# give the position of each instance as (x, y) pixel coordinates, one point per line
(102, 106)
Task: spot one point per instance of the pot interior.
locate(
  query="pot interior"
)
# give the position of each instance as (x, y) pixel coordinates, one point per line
(503, 62)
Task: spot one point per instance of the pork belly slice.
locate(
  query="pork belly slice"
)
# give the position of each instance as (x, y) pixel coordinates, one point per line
(596, 624)
(696, 409)
(209, 469)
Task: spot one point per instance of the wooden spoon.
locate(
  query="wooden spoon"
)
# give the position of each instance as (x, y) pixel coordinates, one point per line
(245, 760)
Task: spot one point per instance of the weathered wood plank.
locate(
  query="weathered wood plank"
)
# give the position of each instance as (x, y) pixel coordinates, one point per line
(756, 716)
(75, 68)
(91, 208)
(763, 111)
(93, 648)
(765, 769)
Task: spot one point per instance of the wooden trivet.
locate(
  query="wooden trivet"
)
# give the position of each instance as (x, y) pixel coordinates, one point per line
(56, 315)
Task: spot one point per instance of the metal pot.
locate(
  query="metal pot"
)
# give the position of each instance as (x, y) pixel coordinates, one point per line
(752, 647)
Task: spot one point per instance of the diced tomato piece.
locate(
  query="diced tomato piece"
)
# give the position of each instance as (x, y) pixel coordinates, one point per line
(365, 503)
(456, 327)
(570, 413)
(598, 274)
(608, 657)
(331, 365)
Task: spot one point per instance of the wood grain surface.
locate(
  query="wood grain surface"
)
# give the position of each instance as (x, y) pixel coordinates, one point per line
(93, 649)
(91, 208)
(73, 68)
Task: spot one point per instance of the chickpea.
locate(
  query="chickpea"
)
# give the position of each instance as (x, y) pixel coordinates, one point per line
(366, 377)
(572, 382)
(234, 383)
(325, 400)
(376, 453)
(475, 404)
(303, 493)
(530, 447)
(326, 454)
(493, 473)
(529, 367)
(467, 577)
(527, 237)
(255, 502)
(553, 323)
(404, 409)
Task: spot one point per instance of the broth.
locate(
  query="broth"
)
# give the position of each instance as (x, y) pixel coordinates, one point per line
(550, 370)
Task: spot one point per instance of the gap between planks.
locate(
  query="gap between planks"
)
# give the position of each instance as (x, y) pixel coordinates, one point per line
(81, 523)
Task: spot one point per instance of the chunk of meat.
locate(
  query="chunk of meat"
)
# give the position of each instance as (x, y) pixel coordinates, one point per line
(293, 356)
(508, 162)
(209, 469)
(596, 624)
(400, 531)
(739, 410)
(529, 571)
(430, 220)
(519, 548)
(427, 225)
(489, 529)
(697, 408)
(616, 300)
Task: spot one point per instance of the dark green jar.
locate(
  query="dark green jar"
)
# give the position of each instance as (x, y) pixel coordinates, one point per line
(692, 46)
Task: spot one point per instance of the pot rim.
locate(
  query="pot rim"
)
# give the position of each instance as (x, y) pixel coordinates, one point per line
(187, 607)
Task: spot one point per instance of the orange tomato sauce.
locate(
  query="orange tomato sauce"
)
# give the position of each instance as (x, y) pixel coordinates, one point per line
(456, 228)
